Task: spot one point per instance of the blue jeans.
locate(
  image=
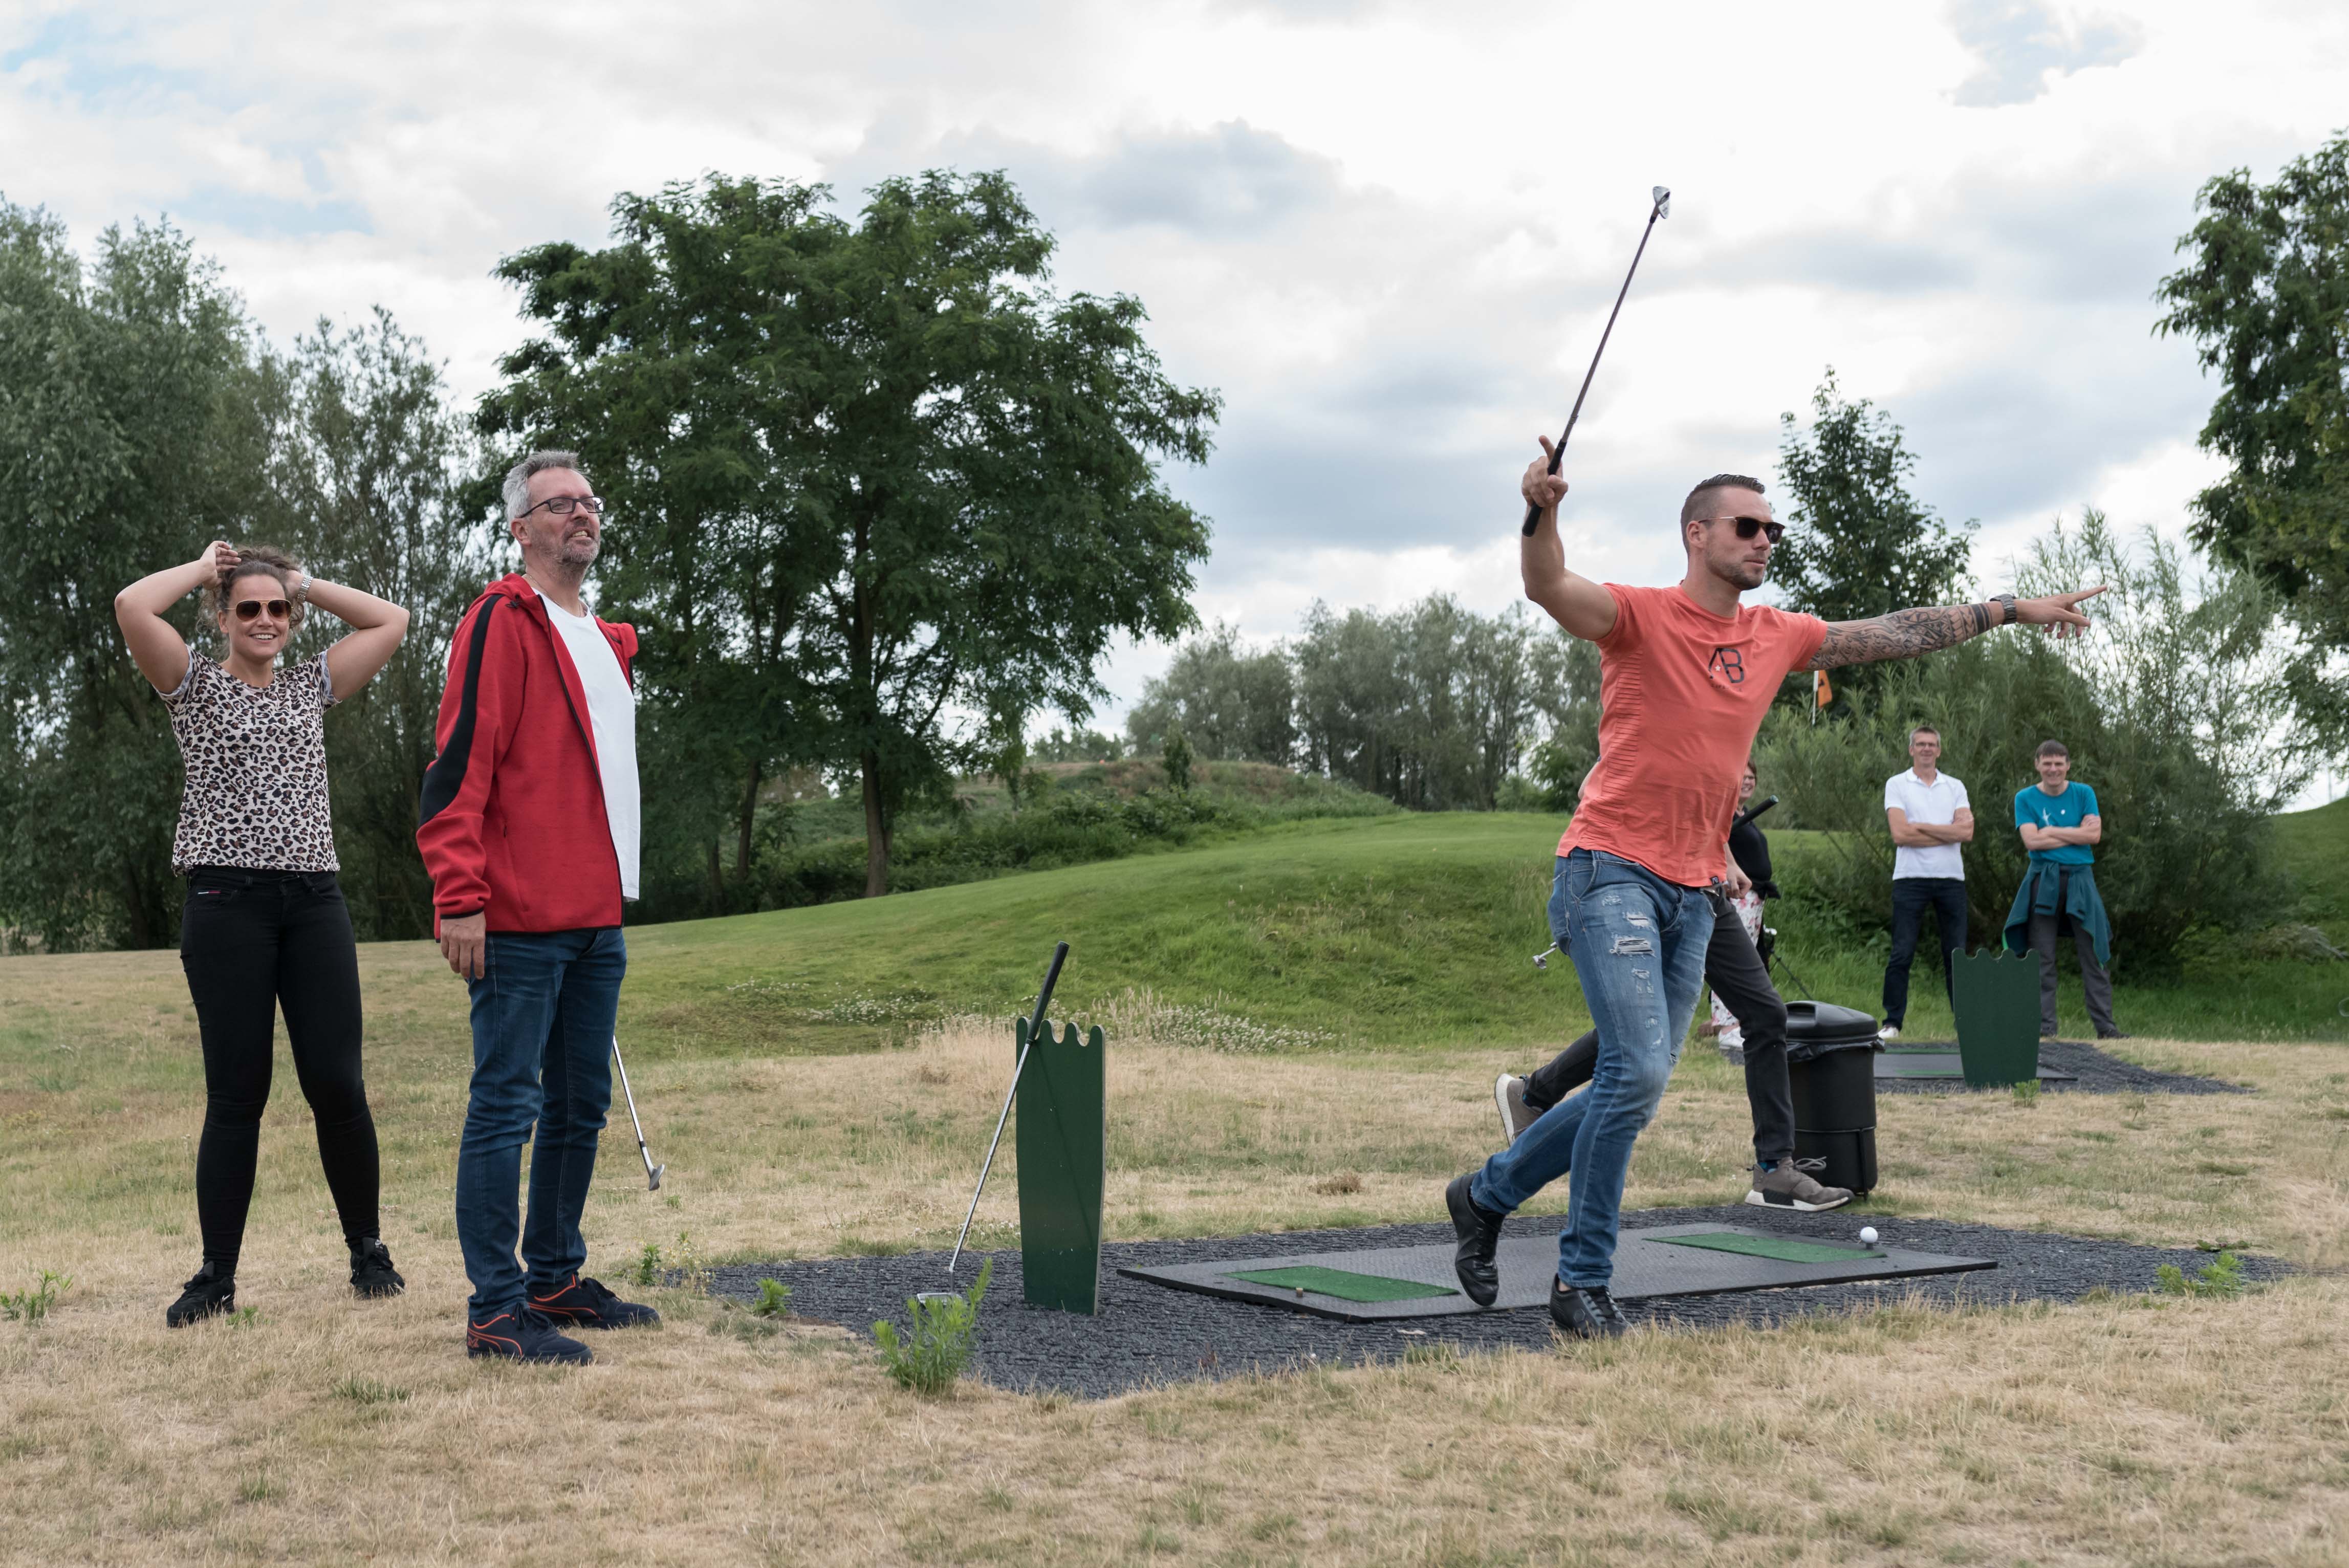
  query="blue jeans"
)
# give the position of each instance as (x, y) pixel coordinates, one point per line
(542, 1016)
(1638, 944)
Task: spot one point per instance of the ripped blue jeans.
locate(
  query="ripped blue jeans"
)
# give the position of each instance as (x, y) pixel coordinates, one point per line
(1638, 944)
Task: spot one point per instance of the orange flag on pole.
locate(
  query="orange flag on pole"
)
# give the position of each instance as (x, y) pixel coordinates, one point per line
(1822, 693)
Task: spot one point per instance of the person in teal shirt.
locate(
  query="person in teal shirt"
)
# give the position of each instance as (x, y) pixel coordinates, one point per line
(2060, 825)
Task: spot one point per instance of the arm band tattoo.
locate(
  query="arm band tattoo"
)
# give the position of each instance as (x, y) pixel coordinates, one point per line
(1902, 635)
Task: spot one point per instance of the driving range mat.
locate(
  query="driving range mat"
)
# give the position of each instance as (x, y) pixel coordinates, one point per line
(1670, 1260)
(1893, 1062)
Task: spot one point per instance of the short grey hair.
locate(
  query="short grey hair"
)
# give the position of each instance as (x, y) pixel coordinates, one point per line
(517, 487)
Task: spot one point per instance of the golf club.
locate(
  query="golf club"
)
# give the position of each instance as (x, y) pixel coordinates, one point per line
(1662, 208)
(1035, 1025)
(652, 1172)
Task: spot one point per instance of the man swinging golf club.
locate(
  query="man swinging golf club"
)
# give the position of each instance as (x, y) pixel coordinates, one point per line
(1686, 674)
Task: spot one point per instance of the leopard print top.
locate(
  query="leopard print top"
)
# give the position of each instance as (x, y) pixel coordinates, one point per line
(256, 765)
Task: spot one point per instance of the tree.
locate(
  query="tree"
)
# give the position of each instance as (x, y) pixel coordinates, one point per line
(136, 412)
(1233, 705)
(2265, 296)
(883, 474)
(1174, 756)
(1857, 545)
(368, 469)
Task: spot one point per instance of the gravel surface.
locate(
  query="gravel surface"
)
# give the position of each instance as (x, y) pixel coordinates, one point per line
(1146, 1334)
(2097, 1072)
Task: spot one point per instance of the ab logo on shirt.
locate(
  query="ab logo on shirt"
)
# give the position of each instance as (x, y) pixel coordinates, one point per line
(1726, 662)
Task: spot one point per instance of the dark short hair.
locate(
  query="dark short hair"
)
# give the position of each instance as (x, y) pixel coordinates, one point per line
(1924, 729)
(2053, 748)
(1690, 509)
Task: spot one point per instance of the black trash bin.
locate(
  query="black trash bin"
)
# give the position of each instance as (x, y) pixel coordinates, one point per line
(1831, 1068)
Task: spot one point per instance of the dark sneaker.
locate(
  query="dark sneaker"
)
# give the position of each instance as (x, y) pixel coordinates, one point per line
(1479, 1231)
(519, 1334)
(1789, 1186)
(209, 1292)
(1509, 1095)
(1586, 1312)
(2112, 1034)
(585, 1304)
(371, 1271)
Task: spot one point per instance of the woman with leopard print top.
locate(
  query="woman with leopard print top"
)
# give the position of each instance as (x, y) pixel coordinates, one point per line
(264, 924)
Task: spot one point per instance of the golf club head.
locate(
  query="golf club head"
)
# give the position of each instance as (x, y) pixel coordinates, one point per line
(937, 1295)
(653, 1176)
(1663, 199)
(1541, 959)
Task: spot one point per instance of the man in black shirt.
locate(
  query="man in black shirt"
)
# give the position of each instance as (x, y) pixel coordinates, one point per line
(1741, 982)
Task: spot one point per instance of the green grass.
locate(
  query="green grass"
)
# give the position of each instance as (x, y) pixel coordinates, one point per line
(1391, 930)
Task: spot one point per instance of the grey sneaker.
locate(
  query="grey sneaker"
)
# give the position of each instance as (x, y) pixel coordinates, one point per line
(1509, 1095)
(1789, 1186)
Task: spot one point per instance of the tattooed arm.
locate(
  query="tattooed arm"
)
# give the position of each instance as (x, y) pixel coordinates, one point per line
(1905, 634)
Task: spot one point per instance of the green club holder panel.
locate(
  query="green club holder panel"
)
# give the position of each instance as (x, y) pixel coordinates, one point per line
(1061, 1143)
(1343, 1284)
(1997, 997)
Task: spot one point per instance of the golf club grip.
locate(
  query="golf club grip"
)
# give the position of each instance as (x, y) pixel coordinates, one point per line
(1044, 997)
(1755, 809)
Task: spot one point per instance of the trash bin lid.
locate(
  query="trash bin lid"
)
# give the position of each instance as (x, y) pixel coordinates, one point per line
(1815, 1027)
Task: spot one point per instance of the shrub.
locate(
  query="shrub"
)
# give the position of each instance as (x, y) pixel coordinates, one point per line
(930, 1355)
(32, 1305)
(2222, 1278)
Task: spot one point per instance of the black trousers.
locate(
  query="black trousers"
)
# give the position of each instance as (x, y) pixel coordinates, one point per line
(1911, 897)
(1738, 977)
(251, 941)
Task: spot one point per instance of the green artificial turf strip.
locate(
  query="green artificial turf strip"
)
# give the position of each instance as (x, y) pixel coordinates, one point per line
(1344, 1285)
(1785, 1249)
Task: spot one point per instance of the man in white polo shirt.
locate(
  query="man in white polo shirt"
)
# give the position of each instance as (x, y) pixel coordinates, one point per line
(1930, 817)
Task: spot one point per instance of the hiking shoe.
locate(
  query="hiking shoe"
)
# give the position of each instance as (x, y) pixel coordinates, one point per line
(209, 1292)
(1586, 1312)
(1789, 1186)
(519, 1334)
(1509, 1095)
(585, 1304)
(1479, 1231)
(371, 1271)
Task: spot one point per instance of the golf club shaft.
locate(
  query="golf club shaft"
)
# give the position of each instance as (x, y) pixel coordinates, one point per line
(1557, 453)
(642, 1152)
(1036, 1022)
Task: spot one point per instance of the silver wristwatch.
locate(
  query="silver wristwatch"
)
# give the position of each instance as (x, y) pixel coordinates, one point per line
(2006, 602)
(302, 590)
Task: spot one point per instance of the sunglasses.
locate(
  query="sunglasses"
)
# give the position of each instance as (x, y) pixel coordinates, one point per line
(250, 609)
(1747, 527)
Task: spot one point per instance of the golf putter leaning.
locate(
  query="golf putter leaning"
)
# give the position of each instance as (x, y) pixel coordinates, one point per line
(652, 1172)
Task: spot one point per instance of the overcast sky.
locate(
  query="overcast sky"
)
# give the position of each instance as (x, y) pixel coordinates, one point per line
(1387, 234)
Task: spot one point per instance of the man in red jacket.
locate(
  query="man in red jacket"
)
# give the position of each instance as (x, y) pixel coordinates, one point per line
(529, 827)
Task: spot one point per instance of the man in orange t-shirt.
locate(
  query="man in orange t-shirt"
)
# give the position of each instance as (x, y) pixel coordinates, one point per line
(1685, 675)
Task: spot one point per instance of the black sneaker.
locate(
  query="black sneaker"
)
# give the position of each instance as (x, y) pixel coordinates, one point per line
(1586, 1312)
(1479, 1231)
(585, 1304)
(208, 1294)
(2112, 1034)
(371, 1271)
(519, 1334)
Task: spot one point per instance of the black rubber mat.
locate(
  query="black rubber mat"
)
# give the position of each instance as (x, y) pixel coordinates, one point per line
(1896, 1062)
(1645, 1267)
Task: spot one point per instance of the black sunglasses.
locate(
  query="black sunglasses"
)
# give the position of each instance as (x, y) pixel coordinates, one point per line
(250, 609)
(1747, 527)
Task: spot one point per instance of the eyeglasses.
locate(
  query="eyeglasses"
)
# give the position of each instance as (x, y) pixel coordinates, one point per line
(1747, 527)
(564, 505)
(250, 609)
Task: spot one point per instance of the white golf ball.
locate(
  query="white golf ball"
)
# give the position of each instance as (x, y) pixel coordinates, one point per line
(1868, 1235)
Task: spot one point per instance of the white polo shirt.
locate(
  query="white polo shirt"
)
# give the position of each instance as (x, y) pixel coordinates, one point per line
(1937, 805)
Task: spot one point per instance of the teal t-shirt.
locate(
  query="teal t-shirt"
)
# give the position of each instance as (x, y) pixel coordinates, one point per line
(2075, 804)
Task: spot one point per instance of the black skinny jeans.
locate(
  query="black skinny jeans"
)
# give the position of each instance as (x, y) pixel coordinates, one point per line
(250, 941)
(1738, 977)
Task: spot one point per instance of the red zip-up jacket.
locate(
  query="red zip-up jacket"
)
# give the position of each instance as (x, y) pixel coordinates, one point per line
(512, 822)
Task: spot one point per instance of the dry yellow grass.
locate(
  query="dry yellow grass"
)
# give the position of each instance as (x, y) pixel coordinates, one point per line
(2137, 1431)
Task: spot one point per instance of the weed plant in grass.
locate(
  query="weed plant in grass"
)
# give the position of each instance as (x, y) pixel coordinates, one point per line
(941, 1329)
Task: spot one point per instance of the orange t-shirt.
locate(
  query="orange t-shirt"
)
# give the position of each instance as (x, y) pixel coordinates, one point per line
(1682, 693)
